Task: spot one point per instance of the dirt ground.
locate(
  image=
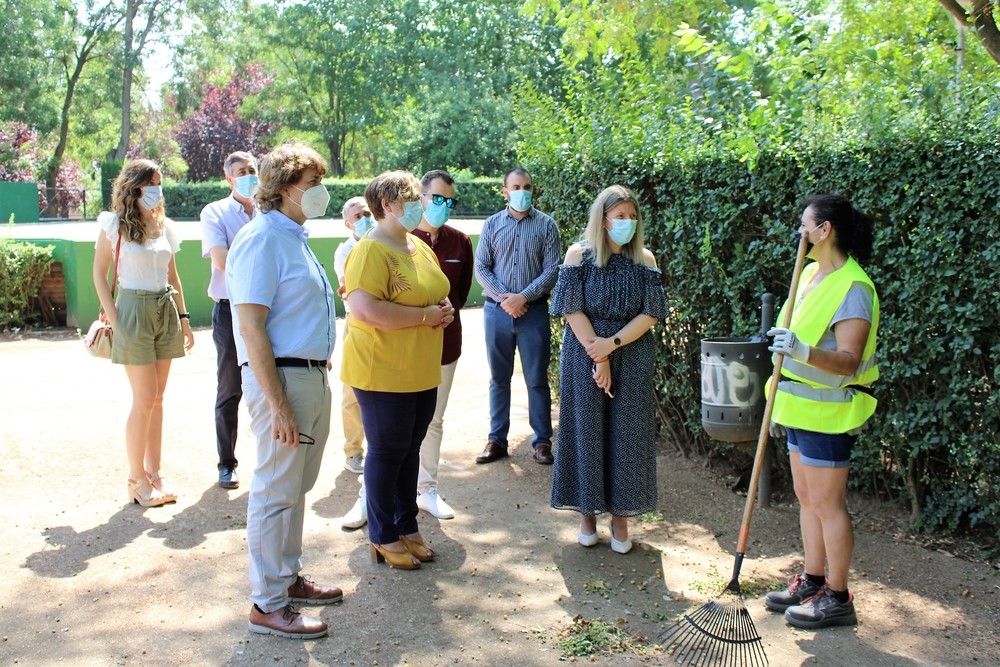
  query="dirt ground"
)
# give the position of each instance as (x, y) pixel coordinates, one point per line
(90, 580)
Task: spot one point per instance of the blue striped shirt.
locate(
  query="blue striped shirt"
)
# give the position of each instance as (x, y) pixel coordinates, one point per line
(518, 256)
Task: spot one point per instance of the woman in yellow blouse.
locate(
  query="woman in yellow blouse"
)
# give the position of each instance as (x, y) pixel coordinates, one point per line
(399, 305)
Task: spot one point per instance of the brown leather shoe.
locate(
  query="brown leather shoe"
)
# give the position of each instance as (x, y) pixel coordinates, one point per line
(543, 454)
(494, 450)
(286, 622)
(305, 591)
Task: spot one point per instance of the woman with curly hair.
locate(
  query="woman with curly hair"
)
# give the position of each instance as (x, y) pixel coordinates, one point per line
(150, 323)
(283, 322)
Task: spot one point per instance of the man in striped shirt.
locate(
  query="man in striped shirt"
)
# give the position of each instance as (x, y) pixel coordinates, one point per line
(517, 261)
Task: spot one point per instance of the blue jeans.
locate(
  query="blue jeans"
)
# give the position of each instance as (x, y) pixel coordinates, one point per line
(531, 337)
(395, 425)
(229, 388)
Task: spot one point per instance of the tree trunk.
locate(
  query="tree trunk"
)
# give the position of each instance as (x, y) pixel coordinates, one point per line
(55, 163)
(123, 141)
(131, 8)
(915, 488)
(335, 147)
(980, 19)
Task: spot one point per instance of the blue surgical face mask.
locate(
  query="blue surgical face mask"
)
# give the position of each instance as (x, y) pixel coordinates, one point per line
(520, 200)
(363, 226)
(246, 185)
(622, 230)
(151, 197)
(437, 214)
(412, 213)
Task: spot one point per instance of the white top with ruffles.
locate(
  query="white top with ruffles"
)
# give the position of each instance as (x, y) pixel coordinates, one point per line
(142, 267)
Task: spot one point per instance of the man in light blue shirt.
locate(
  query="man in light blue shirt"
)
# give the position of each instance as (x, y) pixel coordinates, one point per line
(220, 221)
(283, 317)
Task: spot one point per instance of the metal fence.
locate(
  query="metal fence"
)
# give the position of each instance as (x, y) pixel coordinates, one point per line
(58, 204)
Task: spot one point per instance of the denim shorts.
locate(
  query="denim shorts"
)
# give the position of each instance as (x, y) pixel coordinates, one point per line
(822, 450)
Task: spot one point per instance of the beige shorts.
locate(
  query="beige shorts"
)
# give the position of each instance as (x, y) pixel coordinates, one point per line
(148, 327)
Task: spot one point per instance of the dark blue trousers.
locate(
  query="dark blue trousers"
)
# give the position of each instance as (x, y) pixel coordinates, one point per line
(395, 425)
(229, 391)
(530, 336)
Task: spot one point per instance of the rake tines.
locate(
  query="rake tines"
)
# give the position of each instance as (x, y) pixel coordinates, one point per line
(718, 633)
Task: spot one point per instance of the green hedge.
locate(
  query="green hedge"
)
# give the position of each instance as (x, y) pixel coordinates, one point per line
(23, 267)
(722, 234)
(476, 198)
(109, 172)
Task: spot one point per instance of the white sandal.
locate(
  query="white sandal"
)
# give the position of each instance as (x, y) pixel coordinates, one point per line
(152, 497)
(156, 481)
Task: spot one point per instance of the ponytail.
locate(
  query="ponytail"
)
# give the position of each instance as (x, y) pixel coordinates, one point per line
(855, 230)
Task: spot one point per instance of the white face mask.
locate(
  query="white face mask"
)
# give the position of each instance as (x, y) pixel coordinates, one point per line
(152, 195)
(314, 200)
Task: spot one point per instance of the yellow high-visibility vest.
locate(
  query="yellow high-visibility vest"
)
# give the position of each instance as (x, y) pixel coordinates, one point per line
(807, 397)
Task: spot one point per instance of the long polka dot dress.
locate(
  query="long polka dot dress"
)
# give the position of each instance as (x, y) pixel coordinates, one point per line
(605, 458)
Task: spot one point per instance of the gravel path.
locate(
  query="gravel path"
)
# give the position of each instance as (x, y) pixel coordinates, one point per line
(89, 580)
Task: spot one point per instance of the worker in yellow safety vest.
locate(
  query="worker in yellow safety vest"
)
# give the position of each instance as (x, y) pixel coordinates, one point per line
(823, 400)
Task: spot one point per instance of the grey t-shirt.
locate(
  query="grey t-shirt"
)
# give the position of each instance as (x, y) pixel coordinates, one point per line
(858, 304)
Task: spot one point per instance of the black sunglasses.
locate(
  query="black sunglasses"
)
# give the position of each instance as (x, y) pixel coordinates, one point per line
(450, 202)
(306, 439)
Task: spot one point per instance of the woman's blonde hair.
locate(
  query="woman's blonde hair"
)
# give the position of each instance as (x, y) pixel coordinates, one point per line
(125, 195)
(596, 236)
(401, 186)
(283, 167)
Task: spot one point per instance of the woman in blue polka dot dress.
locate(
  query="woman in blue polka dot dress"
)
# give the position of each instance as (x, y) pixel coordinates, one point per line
(609, 290)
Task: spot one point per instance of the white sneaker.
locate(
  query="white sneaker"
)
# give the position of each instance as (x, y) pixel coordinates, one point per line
(358, 516)
(355, 464)
(435, 505)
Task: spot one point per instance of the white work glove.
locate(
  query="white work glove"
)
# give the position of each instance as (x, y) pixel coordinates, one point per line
(776, 430)
(787, 343)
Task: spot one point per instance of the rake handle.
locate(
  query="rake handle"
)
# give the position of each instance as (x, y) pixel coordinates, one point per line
(758, 461)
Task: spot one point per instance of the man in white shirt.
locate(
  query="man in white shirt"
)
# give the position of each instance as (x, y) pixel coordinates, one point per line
(358, 219)
(220, 221)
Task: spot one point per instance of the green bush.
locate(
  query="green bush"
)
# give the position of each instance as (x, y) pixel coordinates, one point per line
(23, 267)
(476, 198)
(722, 234)
(109, 172)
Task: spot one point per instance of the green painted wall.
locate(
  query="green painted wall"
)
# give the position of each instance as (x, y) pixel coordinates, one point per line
(21, 199)
(82, 305)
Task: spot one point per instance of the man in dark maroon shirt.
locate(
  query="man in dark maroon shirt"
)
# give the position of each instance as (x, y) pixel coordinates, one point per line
(454, 252)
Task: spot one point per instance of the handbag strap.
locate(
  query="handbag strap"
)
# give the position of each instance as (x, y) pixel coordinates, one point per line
(114, 280)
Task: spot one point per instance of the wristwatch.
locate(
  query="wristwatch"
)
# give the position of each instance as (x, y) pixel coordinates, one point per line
(617, 341)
